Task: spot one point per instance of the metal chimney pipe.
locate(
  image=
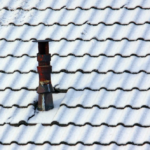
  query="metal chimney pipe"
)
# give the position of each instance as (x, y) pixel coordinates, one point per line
(45, 99)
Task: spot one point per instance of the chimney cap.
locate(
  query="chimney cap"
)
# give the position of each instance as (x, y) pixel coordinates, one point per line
(41, 41)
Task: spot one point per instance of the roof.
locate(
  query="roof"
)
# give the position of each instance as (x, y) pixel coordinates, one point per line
(100, 62)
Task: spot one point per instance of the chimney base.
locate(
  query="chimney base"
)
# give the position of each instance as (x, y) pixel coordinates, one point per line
(45, 99)
(45, 102)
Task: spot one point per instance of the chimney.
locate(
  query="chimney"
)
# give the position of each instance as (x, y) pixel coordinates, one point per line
(45, 98)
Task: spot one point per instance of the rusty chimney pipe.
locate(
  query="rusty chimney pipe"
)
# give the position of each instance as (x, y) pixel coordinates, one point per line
(45, 99)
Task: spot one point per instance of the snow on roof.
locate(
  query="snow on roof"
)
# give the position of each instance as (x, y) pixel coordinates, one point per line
(100, 58)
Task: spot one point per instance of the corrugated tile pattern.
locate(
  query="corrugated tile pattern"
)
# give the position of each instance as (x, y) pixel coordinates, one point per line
(78, 81)
(21, 99)
(98, 108)
(104, 99)
(78, 48)
(106, 108)
(71, 32)
(86, 64)
(78, 147)
(78, 17)
(66, 4)
(100, 57)
(15, 115)
(87, 135)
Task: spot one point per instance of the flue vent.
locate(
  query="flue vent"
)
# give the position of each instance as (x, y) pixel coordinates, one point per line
(45, 98)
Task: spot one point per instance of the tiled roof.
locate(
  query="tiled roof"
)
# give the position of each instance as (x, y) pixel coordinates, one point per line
(51, 17)
(71, 32)
(86, 64)
(78, 48)
(100, 73)
(66, 4)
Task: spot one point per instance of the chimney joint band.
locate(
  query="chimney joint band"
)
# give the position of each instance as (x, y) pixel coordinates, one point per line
(43, 57)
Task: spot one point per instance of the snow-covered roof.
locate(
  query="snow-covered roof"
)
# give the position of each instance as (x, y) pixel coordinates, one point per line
(100, 70)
